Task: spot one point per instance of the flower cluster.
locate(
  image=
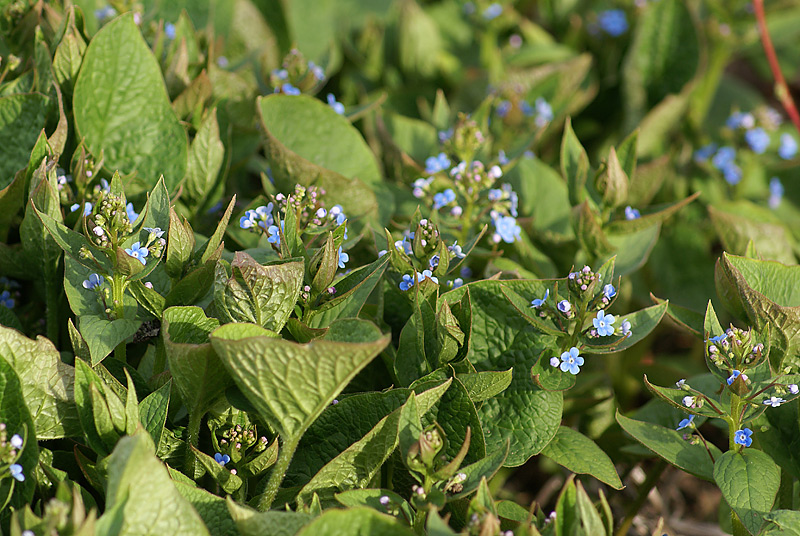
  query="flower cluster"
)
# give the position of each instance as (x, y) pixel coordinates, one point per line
(10, 452)
(296, 75)
(8, 292)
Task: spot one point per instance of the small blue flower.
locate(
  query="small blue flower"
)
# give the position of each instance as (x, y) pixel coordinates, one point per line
(465, 271)
(16, 441)
(87, 208)
(495, 194)
(735, 374)
(613, 22)
(626, 328)
(338, 107)
(427, 274)
(718, 338)
(6, 300)
(169, 31)
(686, 423)
(16, 471)
(704, 153)
(337, 213)
(404, 245)
(538, 302)
(94, 281)
(105, 13)
(774, 401)
(507, 229)
(317, 71)
(274, 235)
(435, 164)
(724, 157)
(732, 174)
(631, 213)
(407, 282)
(502, 158)
(457, 282)
(138, 252)
(788, 147)
(434, 262)
(742, 437)
(544, 112)
(287, 89)
(280, 74)
(221, 459)
(156, 231)
(132, 214)
(740, 120)
(527, 109)
(757, 139)
(493, 11)
(248, 221)
(455, 249)
(445, 135)
(609, 291)
(603, 323)
(564, 306)
(775, 192)
(571, 361)
(442, 199)
(343, 257)
(503, 108)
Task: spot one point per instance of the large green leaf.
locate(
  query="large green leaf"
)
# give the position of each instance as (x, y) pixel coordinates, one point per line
(263, 295)
(212, 509)
(670, 445)
(15, 415)
(361, 521)
(122, 109)
(737, 223)
(580, 454)
(250, 522)
(502, 339)
(206, 155)
(141, 498)
(22, 117)
(749, 481)
(198, 373)
(46, 383)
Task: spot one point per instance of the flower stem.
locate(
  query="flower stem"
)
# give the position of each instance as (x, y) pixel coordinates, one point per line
(276, 477)
(195, 418)
(781, 88)
(118, 285)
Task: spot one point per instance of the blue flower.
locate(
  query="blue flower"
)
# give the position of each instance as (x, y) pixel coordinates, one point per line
(788, 147)
(495, 194)
(507, 229)
(434, 262)
(16, 471)
(544, 112)
(274, 235)
(6, 300)
(95, 280)
(455, 249)
(613, 22)
(442, 199)
(169, 31)
(338, 107)
(718, 338)
(337, 213)
(404, 245)
(571, 361)
(757, 139)
(248, 221)
(724, 157)
(564, 306)
(407, 282)
(105, 13)
(287, 89)
(221, 459)
(775, 192)
(316, 70)
(503, 108)
(502, 158)
(138, 252)
(343, 257)
(742, 437)
(16, 441)
(155, 231)
(132, 214)
(774, 401)
(631, 213)
(537, 302)
(740, 120)
(493, 11)
(704, 153)
(427, 274)
(732, 174)
(445, 135)
(735, 374)
(603, 323)
(87, 208)
(280, 74)
(609, 291)
(686, 423)
(465, 271)
(434, 164)
(457, 282)
(626, 328)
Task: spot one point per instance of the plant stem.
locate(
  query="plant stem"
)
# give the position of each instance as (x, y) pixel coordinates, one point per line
(118, 302)
(276, 477)
(734, 422)
(195, 418)
(641, 496)
(781, 88)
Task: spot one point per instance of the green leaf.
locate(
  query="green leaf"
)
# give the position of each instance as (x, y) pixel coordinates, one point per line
(574, 165)
(581, 455)
(263, 295)
(289, 383)
(359, 521)
(749, 481)
(37, 243)
(122, 109)
(643, 322)
(356, 466)
(674, 397)
(416, 138)
(789, 520)
(206, 155)
(212, 509)
(141, 498)
(740, 222)
(308, 142)
(485, 385)
(250, 522)
(198, 373)
(454, 413)
(22, 117)
(46, 383)
(85, 380)
(650, 217)
(683, 316)
(670, 445)
(17, 419)
(153, 411)
(228, 481)
(180, 245)
(73, 243)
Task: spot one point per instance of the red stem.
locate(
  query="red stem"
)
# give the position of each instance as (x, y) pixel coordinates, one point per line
(781, 88)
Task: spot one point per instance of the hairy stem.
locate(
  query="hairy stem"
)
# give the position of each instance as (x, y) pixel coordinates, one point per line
(278, 472)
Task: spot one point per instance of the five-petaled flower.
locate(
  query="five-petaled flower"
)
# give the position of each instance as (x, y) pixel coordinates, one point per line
(680, 383)
(407, 282)
(138, 252)
(564, 306)
(16, 441)
(735, 374)
(793, 388)
(742, 437)
(507, 229)
(221, 459)
(603, 323)
(609, 291)
(343, 257)
(774, 401)
(434, 164)
(93, 282)
(538, 302)
(16, 471)
(686, 423)
(156, 231)
(626, 328)
(571, 361)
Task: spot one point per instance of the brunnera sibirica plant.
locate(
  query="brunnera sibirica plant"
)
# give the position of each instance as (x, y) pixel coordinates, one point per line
(398, 268)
